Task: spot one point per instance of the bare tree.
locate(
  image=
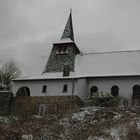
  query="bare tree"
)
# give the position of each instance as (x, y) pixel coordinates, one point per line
(8, 72)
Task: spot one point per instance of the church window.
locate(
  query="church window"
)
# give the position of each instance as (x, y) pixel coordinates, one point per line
(136, 90)
(44, 89)
(136, 95)
(23, 91)
(115, 90)
(66, 70)
(65, 88)
(93, 89)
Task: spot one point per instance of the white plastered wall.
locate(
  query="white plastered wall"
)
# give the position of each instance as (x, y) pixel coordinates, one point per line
(54, 87)
(125, 85)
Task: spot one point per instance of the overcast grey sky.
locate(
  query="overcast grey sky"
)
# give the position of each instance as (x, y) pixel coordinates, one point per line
(29, 27)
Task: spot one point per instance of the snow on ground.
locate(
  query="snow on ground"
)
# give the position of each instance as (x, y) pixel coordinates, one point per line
(7, 120)
(85, 111)
(90, 123)
(96, 138)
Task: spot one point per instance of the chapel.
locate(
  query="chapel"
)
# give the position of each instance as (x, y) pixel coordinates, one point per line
(70, 72)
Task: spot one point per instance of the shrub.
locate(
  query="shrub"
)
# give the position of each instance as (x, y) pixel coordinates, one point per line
(103, 100)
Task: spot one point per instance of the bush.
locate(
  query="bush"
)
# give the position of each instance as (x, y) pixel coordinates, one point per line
(103, 100)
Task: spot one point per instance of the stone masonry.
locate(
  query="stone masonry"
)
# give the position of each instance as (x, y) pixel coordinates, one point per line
(54, 104)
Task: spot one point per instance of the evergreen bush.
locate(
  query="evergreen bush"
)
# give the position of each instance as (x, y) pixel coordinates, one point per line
(103, 100)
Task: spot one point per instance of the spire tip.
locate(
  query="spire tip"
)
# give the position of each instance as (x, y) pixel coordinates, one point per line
(68, 31)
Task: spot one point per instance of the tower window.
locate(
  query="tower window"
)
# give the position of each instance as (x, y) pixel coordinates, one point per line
(65, 88)
(44, 89)
(66, 70)
(62, 49)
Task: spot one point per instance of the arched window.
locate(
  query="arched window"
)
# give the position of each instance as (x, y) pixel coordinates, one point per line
(23, 91)
(93, 89)
(65, 88)
(115, 91)
(136, 91)
(44, 89)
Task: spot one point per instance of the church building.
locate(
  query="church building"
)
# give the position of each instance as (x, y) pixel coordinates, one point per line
(69, 72)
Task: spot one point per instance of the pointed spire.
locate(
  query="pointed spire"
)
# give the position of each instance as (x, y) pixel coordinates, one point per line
(68, 31)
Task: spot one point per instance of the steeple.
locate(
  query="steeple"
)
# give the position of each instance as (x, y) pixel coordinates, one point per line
(68, 31)
(63, 53)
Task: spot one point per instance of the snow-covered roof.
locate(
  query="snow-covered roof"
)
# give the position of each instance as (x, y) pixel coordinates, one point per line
(47, 76)
(118, 63)
(104, 64)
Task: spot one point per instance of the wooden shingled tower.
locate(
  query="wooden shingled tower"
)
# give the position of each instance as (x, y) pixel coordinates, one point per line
(63, 53)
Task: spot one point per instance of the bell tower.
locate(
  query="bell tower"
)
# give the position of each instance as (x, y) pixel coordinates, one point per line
(63, 52)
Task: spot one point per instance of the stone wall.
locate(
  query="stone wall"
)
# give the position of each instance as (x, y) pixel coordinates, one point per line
(44, 105)
(5, 102)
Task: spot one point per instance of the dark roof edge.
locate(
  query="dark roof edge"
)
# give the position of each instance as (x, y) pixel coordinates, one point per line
(45, 79)
(85, 77)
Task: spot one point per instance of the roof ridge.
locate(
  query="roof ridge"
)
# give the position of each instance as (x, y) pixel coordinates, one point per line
(90, 53)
